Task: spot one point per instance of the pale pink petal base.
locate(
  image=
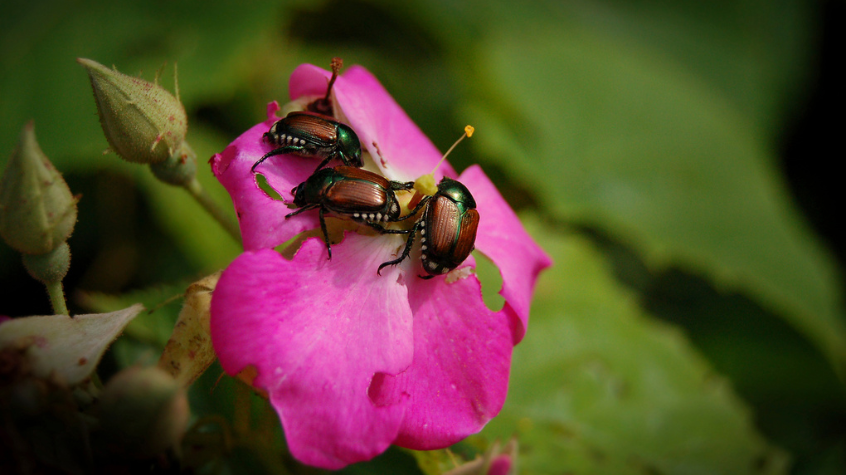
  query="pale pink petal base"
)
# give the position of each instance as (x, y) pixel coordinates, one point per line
(462, 355)
(317, 332)
(505, 241)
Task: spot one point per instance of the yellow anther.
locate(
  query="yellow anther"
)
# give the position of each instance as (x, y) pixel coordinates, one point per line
(426, 185)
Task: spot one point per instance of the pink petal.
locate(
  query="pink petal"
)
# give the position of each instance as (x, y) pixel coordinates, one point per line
(309, 80)
(503, 239)
(397, 145)
(501, 465)
(462, 355)
(262, 219)
(317, 332)
(331, 342)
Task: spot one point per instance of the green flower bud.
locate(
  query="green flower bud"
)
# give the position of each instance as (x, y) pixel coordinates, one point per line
(37, 210)
(142, 121)
(143, 412)
(49, 267)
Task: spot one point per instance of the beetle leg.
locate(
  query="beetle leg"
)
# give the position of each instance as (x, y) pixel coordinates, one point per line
(277, 151)
(322, 224)
(408, 243)
(304, 208)
(417, 208)
(350, 162)
(323, 163)
(399, 185)
(325, 233)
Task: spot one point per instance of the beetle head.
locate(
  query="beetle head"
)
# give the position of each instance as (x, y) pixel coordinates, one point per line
(349, 145)
(457, 192)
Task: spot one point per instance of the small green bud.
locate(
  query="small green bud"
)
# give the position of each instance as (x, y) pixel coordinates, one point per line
(49, 267)
(142, 121)
(37, 210)
(143, 412)
(179, 169)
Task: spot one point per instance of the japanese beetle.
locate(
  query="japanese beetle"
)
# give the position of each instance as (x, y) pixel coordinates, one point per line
(447, 229)
(352, 192)
(309, 134)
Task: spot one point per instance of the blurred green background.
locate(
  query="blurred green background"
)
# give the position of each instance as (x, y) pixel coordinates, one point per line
(668, 155)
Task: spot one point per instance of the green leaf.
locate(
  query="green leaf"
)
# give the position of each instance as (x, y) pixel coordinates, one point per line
(599, 387)
(754, 53)
(618, 138)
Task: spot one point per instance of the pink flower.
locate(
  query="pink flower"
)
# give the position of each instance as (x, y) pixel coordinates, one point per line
(352, 361)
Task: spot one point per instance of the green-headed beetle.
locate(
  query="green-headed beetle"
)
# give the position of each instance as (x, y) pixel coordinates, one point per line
(309, 134)
(447, 229)
(350, 192)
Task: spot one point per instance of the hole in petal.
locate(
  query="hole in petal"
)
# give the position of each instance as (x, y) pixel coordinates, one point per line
(268, 190)
(491, 280)
(334, 226)
(291, 246)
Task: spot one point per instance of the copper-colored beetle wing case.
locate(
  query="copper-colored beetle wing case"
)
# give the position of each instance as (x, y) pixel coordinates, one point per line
(466, 237)
(315, 126)
(442, 222)
(349, 195)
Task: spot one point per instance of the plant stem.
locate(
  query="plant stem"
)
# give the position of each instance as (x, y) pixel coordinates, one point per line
(243, 401)
(57, 297)
(199, 193)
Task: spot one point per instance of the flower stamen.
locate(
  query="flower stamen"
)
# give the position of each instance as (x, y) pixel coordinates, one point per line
(425, 185)
(324, 106)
